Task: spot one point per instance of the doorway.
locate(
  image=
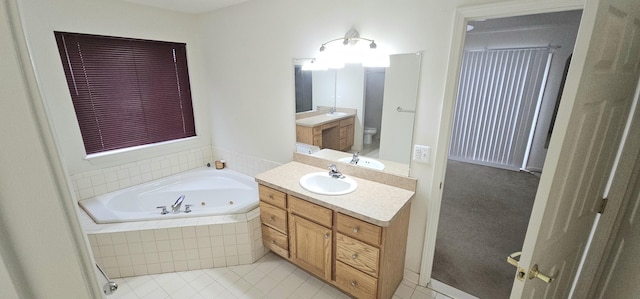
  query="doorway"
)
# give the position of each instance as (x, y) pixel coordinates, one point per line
(486, 204)
(373, 99)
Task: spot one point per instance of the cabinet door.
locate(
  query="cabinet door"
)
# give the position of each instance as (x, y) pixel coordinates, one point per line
(349, 136)
(310, 246)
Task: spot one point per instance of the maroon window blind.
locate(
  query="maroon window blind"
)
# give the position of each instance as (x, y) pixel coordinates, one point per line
(127, 92)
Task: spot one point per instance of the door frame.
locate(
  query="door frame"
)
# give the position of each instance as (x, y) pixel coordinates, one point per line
(462, 16)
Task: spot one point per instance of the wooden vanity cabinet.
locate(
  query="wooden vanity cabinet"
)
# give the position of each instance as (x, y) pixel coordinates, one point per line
(346, 134)
(274, 219)
(337, 135)
(360, 258)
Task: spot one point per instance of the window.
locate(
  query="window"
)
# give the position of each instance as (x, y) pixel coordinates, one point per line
(127, 92)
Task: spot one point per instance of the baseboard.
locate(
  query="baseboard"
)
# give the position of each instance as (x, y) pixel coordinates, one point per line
(411, 276)
(448, 290)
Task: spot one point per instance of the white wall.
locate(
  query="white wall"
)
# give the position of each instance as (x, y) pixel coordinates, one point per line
(39, 247)
(343, 88)
(247, 63)
(251, 47)
(116, 18)
(350, 94)
(563, 35)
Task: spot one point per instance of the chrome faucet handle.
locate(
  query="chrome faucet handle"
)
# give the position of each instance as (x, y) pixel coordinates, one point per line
(187, 208)
(164, 210)
(355, 158)
(333, 171)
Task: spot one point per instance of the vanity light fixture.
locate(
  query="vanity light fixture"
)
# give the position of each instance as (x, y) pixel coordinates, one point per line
(349, 49)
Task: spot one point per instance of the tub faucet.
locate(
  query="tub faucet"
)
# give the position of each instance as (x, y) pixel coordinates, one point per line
(334, 173)
(175, 208)
(355, 158)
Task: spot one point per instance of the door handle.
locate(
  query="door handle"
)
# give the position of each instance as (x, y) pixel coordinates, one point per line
(533, 273)
(511, 259)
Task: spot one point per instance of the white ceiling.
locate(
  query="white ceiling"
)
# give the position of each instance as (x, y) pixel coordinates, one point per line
(527, 21)
(188, 6)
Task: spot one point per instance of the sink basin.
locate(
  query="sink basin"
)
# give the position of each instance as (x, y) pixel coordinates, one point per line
(337, 114)
(322, 183)
(365, 162)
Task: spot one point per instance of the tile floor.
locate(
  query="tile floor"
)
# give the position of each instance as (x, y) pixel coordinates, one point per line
(269, 277)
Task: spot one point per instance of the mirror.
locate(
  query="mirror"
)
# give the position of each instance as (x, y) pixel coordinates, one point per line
(381, 101)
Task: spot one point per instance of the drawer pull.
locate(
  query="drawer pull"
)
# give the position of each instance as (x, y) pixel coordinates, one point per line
(356, 229)
(326, 236)
(354, 256)
(354, 283)
(272, 218)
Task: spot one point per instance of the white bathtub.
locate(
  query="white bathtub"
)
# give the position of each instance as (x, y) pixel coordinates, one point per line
(210, 192)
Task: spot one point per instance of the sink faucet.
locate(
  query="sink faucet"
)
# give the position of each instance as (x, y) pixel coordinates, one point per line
(333, 110)
(355, 158)
(175, 208)
(334, 173)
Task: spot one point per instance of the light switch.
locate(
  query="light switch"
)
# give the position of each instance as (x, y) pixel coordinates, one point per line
(421, 153)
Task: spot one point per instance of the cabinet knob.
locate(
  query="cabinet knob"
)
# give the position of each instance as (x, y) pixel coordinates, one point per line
(273, 241)
(354, 283)
(326, 236)
(272, 218)
(270, 196)
(354, 256)
(356, 229)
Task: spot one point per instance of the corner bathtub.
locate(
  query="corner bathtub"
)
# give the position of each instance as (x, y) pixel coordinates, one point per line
(210, 192)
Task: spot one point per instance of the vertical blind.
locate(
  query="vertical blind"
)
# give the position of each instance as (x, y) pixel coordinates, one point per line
(497, 96)
(127, 92)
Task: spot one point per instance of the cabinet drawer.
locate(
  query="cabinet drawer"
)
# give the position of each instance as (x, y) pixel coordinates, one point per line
(330, 125)
(272, 196)
(357, 254)
(275, 241)
(273, 217)
(347, 122)
(359, 229)
(317, 130)
(313, 212)
(354, 282)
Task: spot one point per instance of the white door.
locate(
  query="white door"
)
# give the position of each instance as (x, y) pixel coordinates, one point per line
(622, 267)
(594, 109)
(400, 90)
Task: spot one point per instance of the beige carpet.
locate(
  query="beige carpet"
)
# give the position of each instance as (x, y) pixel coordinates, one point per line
(484, 216)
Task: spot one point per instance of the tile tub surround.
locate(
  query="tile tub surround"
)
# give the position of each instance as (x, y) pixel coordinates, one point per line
(152, 247)
(97, 182)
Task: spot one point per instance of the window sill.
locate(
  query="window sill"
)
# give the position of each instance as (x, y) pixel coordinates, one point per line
(98, 156)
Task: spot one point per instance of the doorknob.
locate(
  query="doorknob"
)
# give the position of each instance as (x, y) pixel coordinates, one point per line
(511, 259)
(533, 273)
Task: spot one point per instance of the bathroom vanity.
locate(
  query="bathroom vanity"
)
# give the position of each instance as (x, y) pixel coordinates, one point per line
(327, 130)
(356, 241)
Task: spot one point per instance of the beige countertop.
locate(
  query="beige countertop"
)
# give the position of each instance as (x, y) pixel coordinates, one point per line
(321, 119)
(372, 202)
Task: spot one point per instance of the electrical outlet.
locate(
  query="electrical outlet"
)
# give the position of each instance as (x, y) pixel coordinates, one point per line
(421, 153)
